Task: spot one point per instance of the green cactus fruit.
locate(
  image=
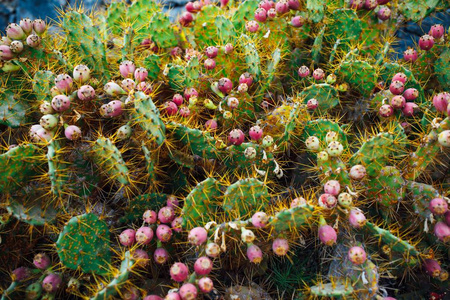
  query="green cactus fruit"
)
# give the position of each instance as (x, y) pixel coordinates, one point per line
(245, 197)
(201, 203)
(84, 38)
(292, 219)
(326, 95)
(388, 187)
(12, 111)
(84, 244)
(110, 160)
(113, 287)
(17, 166)
(332, 289)
(147, 116)
(320, 127)
(394, 242)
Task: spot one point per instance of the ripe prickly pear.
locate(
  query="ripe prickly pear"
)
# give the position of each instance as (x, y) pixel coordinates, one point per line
(21, 273)
(205, 285)
(267, 4)
(426, 42)
(357, 255)
(189, 92)
(27, 25)
(282, 7)
(176, 224)
(255, 133)
(411, 94)
(410, 109)
(294, 4)
(312, 104)
(6, 53)
(209, 64)
(260, 15)
(438, 206)
(396, 87)
(400, 77)
(141, 257)
(254, 254)
(386, 110)
(72, 132)
(179, 272)
(441, 101)
(188, 291)
(86, 93)
(127, 237)
(166, 214)
(357, 172)
(164, 233)
(356, 218)
(252, 26)
(149, 216)
(246, 78)
(51, 283)
(39, 26)
(298, 202)
(60, 103)
(33, 40)
(432, 267)
(203, 266)
(153, 297)
(437, 31)
(370, 4)
(318, 74)
(144, 235)
(173, 296)
(280, 246)
(140, 74)
(81, 73)
(127, 68)
(197, 236)
(356, 4)
(332, 187)
(170, 108)
(228, 48)
(184, 111)
(15, 32)
(211, 125)
(327, 201)
(260, 219)
(161, 256)
(63, 83)
(236, 137)
(384, 13)
(410, 55)
(327, 235)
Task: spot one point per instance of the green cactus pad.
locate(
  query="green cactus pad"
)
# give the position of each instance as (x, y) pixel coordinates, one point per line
(359, 74)
(138, 15)
(175, 74)
(17, 166)
(388, 187)
(138, 205)
(32, 212)
(192, 72)
(84, 244)
(244, 12)
(225, 30)
(113, 287)
(393, 241)
(152, 64)
(200, 203)
(251, 57)
(205, 30)
(162, 31)
(315, 9)
(442, 68)
(236, 157)
(420, 159)
(116, 16)
(245, 197)
(344, 25)
(199, 142)
(12, 111)
(57, 169)
(110, 160)
(317, 46)
(320, 127)
(334, 168)
(42, 83)
(291, 219)
(336, 290)
(326, 95)
(147, 116)
(149, 163)
(85, 40)
(415, 10)
(421, 194)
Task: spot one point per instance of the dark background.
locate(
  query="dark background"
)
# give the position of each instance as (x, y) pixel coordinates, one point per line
(14, 10)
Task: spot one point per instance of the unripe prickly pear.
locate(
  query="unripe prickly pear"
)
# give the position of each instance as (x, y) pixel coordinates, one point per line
(236, 137)
(39, 26)
(357, 172)
(144, 235)
(267, 141)
(318, 74)
(166, 214)
(250, 153)
(16, 46)
(444, 138)
(6, 53)
(332, 187)
(232, 102)
(81, 73)
(63, 83)
(150, 217)
(411, 94)
(437, 31)
(396, 87)
(345, 199)
(335, 148)
(441, 101)
(438, 206)
(312, 143)
(26, 25)
(432, 267)
(410, 55)
(127, 237)
(179, 272)
(51, 283)
(197, 236)
(48, 121)
(247, 236)
(260, 15)
(327, 235)
(15, 32)
(161, 256)
(124, 132)
(205, 285)
(113, 89)
(327, 201)
(164, 233)
(280, 246)
(331, 137)
(252, 26)
(60, 103)
(5, 41)
(303, 71)
(356, 218)
(357, 255)
(188, 291)
(86, 93)
(254, 254)
(410, 109)
(33, 291)
(46, 108)
(322, 156)
(203, 266)
(426, 42)
(386, 111)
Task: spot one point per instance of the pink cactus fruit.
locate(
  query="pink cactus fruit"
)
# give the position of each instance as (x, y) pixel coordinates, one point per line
(447, 218)
(410, 109)
(161, 256)
(128, 84)
(327, 201)
(170, 108)
(144, 235)
(297, 21)
(356, 218)
(370, 4)
(173, 296)
(212, 250)
(410, 55)
(357, 255)
(203, 266)
(140, 74)
(141, 257)
(267, 4)
(164, 233)
(72, 132)
(442, 231)
(327, 235)
(398, 101)
(211, 124)
(298, 202)
(166, 214)
(184, 111)
(255, 133)
(236, 137)
(15, 32)
(205, 285)
(294, 4)
(411, 94)
(20, 274)
(190, 92)
(400, 77)
(396, 87)
(384, 13)
(228, 48)
(303, 71)
(127, 237)
(318, 74)
(86, 93)
(177, 99)
(27, 25)
(225, 85)
(280, 246)
(281, 7)
(438, 206)
(211, 51)
(386, 110)
(197, 236)
(179, 272)
(188, 291)
(60, 103)
(312, 104)
(153, 297)
(432, 267)
(177, 224)
(260, 15)
(426, 42)
(254, 254)
(209, 64)
(441, 101)
(51, 283)
(246, 78)
(6, 53)
(437, 31)
(150, 216)
(63, 83)
(127, 69)
(252, 26)
(260, 219)
(332, 187)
